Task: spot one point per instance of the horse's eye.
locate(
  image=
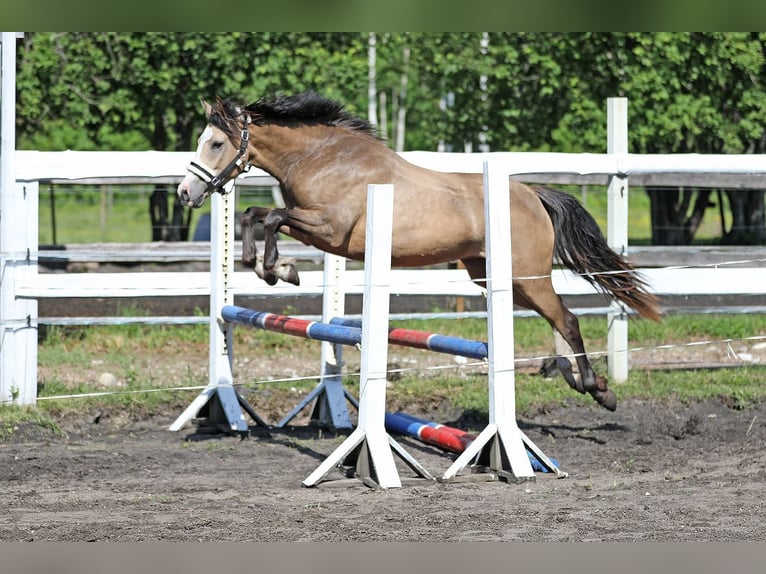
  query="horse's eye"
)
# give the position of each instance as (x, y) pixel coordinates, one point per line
(217, 145)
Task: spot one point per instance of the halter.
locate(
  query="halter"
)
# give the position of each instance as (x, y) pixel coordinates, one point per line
(216, 182)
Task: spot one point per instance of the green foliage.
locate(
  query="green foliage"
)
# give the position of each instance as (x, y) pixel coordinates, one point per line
(700, 92)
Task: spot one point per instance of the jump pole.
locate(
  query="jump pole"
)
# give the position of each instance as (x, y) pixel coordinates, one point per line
(499, 446)
(369, 447)
(219, 401)
(456, 440)
(426, 340)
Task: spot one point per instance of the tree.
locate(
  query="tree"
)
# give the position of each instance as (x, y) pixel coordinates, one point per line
(126, 91)
(701, 92)
(689, 93)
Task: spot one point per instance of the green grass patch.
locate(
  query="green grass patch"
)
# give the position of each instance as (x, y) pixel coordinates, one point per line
(738, 387)
(135, 353)
(26, 420)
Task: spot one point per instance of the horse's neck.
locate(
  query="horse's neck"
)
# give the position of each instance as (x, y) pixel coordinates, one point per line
(279, 149)
(302, 156)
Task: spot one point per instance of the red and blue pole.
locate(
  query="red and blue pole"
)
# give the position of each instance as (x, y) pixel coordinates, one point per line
(292, 325)
(424, 340)
(442, 436)
(349, 332)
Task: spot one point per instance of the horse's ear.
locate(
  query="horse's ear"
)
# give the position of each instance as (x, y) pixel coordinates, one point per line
(207, 107)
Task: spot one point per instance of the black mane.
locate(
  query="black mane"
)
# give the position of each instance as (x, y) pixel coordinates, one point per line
(306, 108)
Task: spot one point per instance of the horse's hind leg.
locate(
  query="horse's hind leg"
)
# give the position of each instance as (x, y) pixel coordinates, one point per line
(545, 301)
(538, 295)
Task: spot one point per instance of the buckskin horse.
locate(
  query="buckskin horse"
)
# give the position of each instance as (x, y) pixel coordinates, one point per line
(323, 158)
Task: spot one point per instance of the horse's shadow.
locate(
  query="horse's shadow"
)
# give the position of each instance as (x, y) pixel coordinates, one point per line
(476, 419)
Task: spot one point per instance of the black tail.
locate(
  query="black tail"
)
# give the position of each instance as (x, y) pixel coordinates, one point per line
(581, 247)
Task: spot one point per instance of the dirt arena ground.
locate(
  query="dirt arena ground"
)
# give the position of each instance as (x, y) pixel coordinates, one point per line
(649, 472)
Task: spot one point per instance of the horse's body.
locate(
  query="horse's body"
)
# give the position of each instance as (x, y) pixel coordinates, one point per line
(324, 159)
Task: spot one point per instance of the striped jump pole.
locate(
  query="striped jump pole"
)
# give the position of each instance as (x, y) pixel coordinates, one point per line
(447, 438)
(425, 340)
(349, 332)
(456, 440)
(293, 325)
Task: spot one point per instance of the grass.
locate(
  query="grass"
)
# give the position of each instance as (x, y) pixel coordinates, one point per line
(13, 419)
(135, 353)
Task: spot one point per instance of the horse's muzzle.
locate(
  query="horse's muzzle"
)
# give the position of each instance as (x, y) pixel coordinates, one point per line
(184, 195)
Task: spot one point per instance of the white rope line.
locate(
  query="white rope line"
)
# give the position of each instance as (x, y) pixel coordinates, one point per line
(406, 370)
(664, 347)
(115, 393)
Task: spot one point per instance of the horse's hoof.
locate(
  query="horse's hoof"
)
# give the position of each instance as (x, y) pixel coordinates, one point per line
(286, 271)
(270, 278)
(606, 399)
(292, 277)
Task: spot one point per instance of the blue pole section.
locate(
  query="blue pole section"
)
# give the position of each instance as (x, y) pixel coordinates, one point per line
(431, 341)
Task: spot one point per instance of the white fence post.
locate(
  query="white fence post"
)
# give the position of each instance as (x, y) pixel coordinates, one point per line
(18, 249)
(617, 236)
(18, 317)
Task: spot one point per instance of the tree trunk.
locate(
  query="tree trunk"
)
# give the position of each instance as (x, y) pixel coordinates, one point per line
(177, 229)
(372, 88)
(158, 212)
(669, 208)
(748, 224)
(401, 114)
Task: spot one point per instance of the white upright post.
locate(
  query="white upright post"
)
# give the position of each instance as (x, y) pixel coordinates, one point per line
(617, 236)
(222, 400)
(18, 249)
(369, 447)
(499, 446)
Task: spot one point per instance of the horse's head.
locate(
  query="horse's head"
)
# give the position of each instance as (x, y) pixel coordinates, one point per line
(219, 159)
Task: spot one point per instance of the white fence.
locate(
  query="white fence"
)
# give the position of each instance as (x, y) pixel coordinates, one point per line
(22, 285)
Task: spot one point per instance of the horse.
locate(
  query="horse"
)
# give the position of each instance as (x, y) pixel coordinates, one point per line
(324, 157)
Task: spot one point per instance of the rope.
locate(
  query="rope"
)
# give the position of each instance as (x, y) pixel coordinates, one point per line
(407, 370)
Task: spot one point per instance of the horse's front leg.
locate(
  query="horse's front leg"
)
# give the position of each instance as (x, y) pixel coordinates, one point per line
(252, 216)
(271, 224)
(283, 267)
